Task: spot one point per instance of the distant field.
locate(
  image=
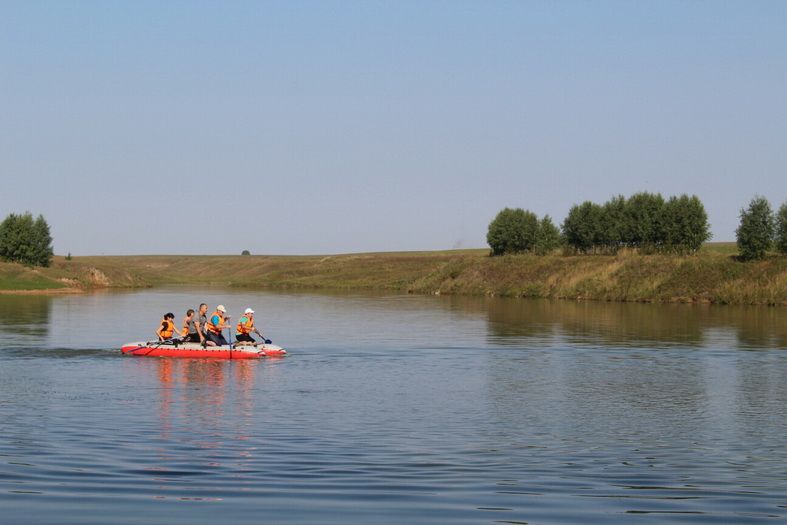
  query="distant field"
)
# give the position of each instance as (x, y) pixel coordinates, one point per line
(713, 275)
(722, 248)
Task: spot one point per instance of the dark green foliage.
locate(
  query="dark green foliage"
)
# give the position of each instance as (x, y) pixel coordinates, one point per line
(245, 252)
(68, 257)
(42, 242)
(644, 220)
(26, 240)
(781, 229)
(512, 231)
(756, 230)
(684, 224)
(548, 238)
(583, 228)
(614, 231)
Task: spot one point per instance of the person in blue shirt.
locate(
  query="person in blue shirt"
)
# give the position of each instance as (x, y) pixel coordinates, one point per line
(216, 325)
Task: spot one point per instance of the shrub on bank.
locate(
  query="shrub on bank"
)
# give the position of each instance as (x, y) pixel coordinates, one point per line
(756, 230)
(26, 240)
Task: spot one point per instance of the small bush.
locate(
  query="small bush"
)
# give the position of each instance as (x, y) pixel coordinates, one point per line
(756, 230)
(245, 252)
(512, 231)
(68, 257)
(781, 229)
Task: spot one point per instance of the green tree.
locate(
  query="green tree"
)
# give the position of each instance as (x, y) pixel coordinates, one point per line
(25, 240)
(781, 229)
(42, 242)
(512, 231)
(245, 252)
(756, 229)
(613, 230)
(582, 227)
(644, 220)
(548, 238)
(684, 224)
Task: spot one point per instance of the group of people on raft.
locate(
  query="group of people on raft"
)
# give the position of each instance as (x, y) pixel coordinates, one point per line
(197, 327)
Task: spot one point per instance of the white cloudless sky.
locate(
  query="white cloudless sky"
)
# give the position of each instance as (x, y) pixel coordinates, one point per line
(330, 127)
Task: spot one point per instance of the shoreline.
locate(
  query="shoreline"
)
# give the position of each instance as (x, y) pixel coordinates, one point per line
(713, 276)
(46, 291)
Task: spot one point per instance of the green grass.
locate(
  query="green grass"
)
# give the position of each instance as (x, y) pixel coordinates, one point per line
(714, 275)
(720, 248)
(18, 277)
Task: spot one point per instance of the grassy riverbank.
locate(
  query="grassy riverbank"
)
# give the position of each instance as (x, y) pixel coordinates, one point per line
(714, 275)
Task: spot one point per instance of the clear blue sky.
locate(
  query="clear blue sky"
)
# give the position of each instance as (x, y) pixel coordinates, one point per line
(327, 127)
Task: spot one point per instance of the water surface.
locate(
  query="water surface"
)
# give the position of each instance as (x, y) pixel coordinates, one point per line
(394, 409)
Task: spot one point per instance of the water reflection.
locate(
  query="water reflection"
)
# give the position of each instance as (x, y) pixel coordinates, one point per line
(627, 324)
(25, 316)
(197, 395)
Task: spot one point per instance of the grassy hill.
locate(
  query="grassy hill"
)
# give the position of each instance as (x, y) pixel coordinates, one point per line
(713, 275)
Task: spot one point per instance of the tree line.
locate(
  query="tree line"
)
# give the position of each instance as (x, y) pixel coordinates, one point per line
(26, 240)
(645, 222)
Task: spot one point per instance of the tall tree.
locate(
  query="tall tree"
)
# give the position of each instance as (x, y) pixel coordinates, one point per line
(25, 240)
(756, 229)
(42, 242)
(781, 229)
(684, 224)
(548, 238)
(643, 220)
(582, 228)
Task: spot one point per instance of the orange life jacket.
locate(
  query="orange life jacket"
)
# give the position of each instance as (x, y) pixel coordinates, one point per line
(212, 327)
(169, 327)
(245, 325)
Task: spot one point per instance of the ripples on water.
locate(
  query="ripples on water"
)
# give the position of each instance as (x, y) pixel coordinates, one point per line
(396, 410)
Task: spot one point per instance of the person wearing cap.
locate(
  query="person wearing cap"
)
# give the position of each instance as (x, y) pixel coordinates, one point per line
(216, 324)
(245, 327)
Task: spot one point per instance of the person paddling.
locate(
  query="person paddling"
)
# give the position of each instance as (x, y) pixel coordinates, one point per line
(216, 324)
(167, 327)
(245, 327)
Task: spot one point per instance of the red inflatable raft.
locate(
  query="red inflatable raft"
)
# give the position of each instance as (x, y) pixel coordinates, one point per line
(195, 350)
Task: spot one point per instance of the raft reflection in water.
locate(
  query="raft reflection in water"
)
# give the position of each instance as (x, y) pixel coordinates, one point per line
(198, 397)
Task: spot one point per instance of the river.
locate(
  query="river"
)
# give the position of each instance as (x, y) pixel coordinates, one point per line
(394, 409)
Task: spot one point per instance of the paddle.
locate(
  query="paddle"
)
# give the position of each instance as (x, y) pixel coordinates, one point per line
(264, 341)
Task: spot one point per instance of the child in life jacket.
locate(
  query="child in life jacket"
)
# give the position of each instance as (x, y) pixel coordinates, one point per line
(167, 327)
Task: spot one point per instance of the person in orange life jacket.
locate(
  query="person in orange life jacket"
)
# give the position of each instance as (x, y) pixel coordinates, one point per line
(184, 332)
(246, 327)
(216, 323)
(167, 327)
